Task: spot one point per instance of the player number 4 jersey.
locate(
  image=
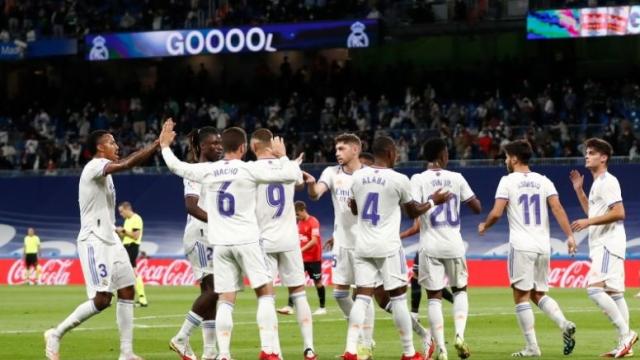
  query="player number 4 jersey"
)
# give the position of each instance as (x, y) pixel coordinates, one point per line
(605, 192)
(527, 210)
(440, 226)
(378, 193)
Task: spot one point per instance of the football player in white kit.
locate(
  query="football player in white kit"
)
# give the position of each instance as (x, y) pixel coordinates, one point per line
(607, 241)
(379, 195)
(442, 251)
(279, 236)
(231, 188)
(337, 180)
(105, 262)
(527, 196)
(206, 146)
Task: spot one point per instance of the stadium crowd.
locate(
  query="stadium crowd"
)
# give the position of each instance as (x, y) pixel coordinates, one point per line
(311, 104)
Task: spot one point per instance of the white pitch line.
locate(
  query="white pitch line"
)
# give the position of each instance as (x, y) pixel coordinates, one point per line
(164, 326)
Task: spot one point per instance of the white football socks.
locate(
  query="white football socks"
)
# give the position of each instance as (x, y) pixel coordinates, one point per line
(460, 312)
(551, 308)
(526, 320)
(402, 320)
(356, 321)
(609, 307)
(83, 312)
(305, 321)
(124, 318)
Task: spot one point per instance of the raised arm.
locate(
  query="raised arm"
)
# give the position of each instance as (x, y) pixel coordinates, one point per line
(577, 181)
(288, 172)
(132, 160)
(195, 172)
(563, 221)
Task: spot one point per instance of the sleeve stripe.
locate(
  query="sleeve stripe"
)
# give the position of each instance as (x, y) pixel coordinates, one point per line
(191, 195)
(324, 182)
(502, 197)
(614, 203)
(550, 195)
(469, 199)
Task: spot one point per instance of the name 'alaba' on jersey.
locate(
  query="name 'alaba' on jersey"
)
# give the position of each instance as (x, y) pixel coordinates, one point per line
(440, 226)
(339, 183)
(97, 199)
(231, 187)
(275, 211)
(378, 193)
(527, 210)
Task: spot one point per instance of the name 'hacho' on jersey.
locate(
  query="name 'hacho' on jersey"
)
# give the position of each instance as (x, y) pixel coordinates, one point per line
(275, 211)
(339, 183)
(527, 210)
(231, 187)
(378, 193)
(440, 226)
(605, 192)
(195, 230)
(97, 200)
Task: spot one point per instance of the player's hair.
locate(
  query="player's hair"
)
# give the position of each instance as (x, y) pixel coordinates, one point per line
(300, 205)
(233, 138)
(433, 148)
(126, 205)
(600, 146)
(94, 139)
(382, 145)
(197, 136)
(348, 138)
(262, 135)
(366, 155)
(521, 149)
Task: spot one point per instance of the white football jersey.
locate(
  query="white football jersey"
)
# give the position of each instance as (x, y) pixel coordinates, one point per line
(231, 187)
(339, 183)
(440, 226)
(378, 193)
(195, 230)
(605, 192)
(275, 211)
(97, 198)
(527, 210)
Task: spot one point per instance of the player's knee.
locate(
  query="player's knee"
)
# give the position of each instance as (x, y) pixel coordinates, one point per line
(434, 294)
(206, 285)
(102, 300)
(458, 289)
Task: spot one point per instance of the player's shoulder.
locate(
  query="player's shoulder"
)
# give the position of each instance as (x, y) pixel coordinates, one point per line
(95, 164)
(332, 169)
(609, 178)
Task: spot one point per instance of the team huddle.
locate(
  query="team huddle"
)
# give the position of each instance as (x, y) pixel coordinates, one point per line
(242, 223)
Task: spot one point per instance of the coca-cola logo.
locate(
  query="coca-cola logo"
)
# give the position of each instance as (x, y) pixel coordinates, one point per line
(177, 272)
(53, 272)
(573, 275)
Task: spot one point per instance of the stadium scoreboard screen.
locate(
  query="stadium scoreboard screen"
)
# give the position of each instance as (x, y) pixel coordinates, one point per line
(263, 38)
(583, 23)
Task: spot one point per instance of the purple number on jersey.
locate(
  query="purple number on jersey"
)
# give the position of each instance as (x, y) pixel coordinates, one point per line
(226, 201)
(370, 211)
(275, 198)
(451, 216)
(526, 202)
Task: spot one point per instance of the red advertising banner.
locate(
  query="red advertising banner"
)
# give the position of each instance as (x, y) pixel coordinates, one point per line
(177, 272)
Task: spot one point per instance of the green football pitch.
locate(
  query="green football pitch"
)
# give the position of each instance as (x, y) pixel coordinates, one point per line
(492, 331)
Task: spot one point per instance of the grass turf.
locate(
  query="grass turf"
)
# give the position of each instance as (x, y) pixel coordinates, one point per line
(492, 330)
